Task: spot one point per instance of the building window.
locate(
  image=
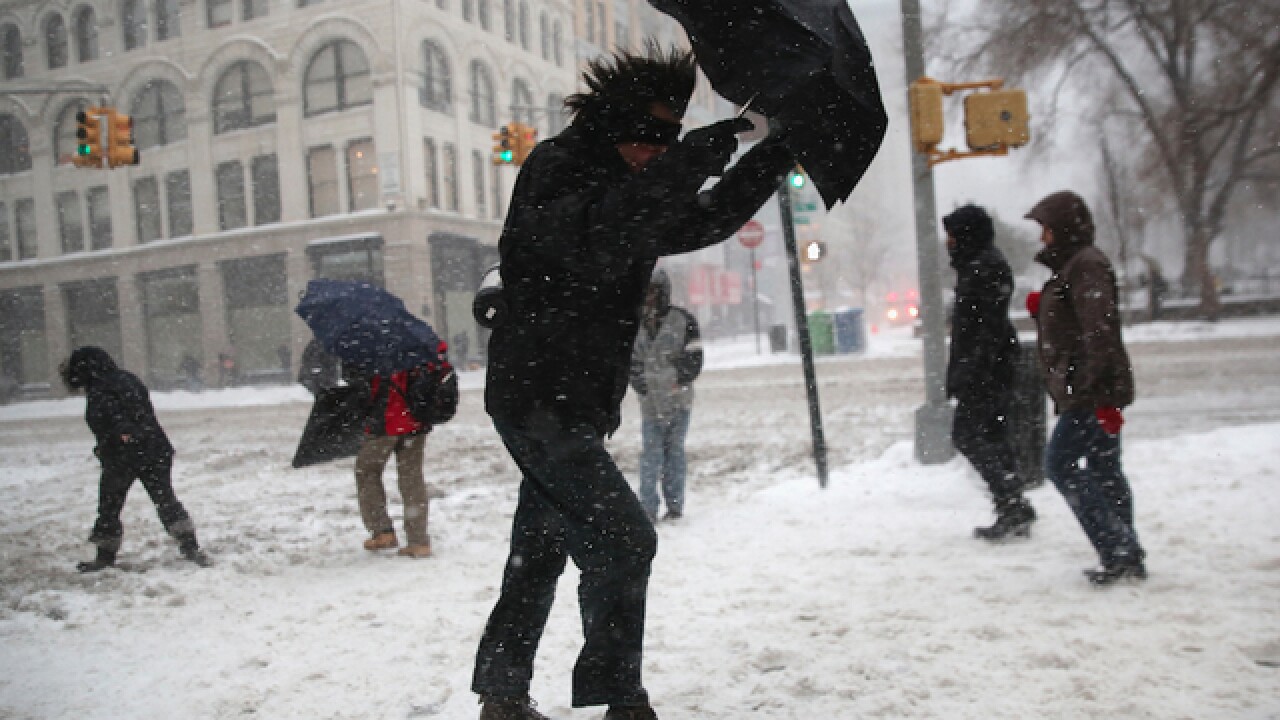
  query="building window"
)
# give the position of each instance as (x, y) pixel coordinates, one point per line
(159, 115)
(146, 209)
(589, 23)
(362, 175)
(219, 12)
(437, 82)
(254, 9)
(55, 41)
(24, 226)
(557, 43)
(544, 34)
(171, 309)
(450, 170)
(509, 20)
(243, 98)
(12, 40)
(357, 260)
(266, 190)
(64, 132)
(482, 100)
(100, 232)
(256, 295)
(232, 209)
(177, 186)
(524, 25)
(322, 173)
(6, 243)
(522, 109)
(70, 227)
(93, 314)
(24, 349)
(133, 24)
(621, 36)
(479, 185)
(468, 10)
(15, 147)
(555, 113)
(430, 165)
(483, 14)
(168, 19)
(602, 22)
(337, 79)
(495, 188)
(86, 28)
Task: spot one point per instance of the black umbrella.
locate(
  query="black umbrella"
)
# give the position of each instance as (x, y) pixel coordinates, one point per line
(803, 63)
(335, 427)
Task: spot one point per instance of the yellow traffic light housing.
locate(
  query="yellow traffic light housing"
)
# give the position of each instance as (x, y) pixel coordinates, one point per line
(925, 99)
(504, 145)
(120, 149)
(89, 124)
(996, 119)
(526, 140)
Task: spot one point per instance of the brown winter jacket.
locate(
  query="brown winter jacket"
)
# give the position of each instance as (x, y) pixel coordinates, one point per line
(1082, 354)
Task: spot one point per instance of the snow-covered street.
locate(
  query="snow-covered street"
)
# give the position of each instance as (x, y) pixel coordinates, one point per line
(772, 598)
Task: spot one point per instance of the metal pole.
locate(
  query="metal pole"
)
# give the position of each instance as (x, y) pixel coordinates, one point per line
(755, 301)
(933, 419)
(802, 329)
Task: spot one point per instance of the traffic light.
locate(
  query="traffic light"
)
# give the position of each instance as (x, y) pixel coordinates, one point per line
(120, 149)
(797, 178)
(927, 127)
(996, 119)
(526, 139)
(89, 137)
(504, 144)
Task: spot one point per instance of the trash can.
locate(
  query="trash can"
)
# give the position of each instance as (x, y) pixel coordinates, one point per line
(850, 332)
(821, 333)
(1028, 427)
(777, 338)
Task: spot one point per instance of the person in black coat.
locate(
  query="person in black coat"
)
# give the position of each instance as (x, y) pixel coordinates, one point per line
(984, 348)
(591, 212)
(131, 446)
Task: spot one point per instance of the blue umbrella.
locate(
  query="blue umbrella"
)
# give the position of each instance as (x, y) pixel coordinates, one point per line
(368, 328)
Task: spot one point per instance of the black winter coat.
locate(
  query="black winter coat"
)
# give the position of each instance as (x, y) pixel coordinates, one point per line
(984, 343)
(117, 406)
(580, 242)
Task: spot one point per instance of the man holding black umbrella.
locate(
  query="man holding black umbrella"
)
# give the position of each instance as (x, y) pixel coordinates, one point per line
(592, 211)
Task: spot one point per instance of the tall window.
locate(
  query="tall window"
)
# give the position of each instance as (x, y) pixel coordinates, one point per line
(483, 14)
(322, 174)
(468, 10)
(509, 20)
(177, 186)
(100, 232)
(522, 108)
(133, 24)
(337, 79)
(266, 190)
(243, 98)
(602, 22)
(478, 183)
(6, 246)
(495, 188)
(233, 211)
(64, 131)
(159, 115)
(482, 100)
(219, 12)
(524, 25)
(168, 19)
(12, 41)
(450, 177)
(555, 113)
(93, 314)
(362, 174)
(86, 29)
(15, 148)
(431, 172)
(255, 9)
(437, 84)
(146, 208)
(557, 43)
(55, 41)
(589, 22)
(24, 227)
(544, 33)
(70, 228)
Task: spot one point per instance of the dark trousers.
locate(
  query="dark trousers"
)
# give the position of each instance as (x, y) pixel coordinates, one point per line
(113, 489)
(574, 503)
(1083, 462)
(980, 432)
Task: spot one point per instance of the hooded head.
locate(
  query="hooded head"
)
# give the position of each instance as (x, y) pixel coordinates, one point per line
(971, 228)
(658, 299)
(1066, 215)
(623, 89)
(86, 365)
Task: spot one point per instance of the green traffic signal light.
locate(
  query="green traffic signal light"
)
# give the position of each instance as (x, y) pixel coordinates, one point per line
(796, 179)
(507, 156)
(83, 149)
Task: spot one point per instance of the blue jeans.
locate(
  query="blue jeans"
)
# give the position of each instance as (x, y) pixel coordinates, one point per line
(663, 458)
(1083, 462)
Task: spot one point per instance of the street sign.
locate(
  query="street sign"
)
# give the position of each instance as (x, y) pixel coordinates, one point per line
(751, 234)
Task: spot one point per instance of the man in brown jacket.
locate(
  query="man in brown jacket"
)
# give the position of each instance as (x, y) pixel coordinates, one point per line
(1090, 379)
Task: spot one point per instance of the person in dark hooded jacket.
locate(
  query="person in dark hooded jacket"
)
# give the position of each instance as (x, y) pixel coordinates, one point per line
(591, 212)
(131, 446)
(984, 347)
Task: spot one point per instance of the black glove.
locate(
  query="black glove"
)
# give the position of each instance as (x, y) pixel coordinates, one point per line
(708, 149)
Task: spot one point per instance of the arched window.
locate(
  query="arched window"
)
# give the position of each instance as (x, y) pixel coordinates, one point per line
(524, 25)
(15, 149)
(243, 98)
(544, 31)
(55, 41)
(337, 79)
(86, 29)
(555, 113)
(437, 83)
(557, 43)
(159, 115)
(482, 100)
(12, 40)
(64, 131)
(522, 109)
(133, 24)
(482, 12)
(168, 19)
(468, 10)
(509, 20)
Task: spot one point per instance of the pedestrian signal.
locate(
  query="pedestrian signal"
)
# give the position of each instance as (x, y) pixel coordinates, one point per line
(996, 119)
(925, 99)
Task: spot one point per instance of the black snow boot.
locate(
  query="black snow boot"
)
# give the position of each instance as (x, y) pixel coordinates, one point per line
(190, 550)
(1125, 570)
(639, 712)
(500, 708)
(105, 559)
(1013, 520)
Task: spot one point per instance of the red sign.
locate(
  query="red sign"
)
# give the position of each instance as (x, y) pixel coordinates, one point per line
(751, 234)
